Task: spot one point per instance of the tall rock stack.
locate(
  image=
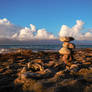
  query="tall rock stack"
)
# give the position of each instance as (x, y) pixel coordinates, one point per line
(67, 49)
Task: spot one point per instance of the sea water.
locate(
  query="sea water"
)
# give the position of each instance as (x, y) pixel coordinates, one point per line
(6, 48)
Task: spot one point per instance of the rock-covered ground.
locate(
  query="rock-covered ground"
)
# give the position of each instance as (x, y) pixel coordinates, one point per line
(44, 71)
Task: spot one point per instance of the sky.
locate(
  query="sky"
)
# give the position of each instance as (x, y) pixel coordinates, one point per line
(45, 19)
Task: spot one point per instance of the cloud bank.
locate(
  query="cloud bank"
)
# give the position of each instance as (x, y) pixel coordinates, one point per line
(31, 34)
(76, 31)
(11, 31)
(7, 29)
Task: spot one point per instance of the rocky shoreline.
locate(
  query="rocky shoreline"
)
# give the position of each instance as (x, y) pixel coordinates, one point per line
(44, 71)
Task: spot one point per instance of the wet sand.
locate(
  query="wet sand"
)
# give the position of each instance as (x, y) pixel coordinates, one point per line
(44, 71)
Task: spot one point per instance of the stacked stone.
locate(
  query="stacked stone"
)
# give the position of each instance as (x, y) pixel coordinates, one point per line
(67, 49)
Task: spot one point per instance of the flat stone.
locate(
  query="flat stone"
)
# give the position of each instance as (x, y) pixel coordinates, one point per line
(64, 51)
(29, 65)
(37, 67)
(65, 44)
(68, 45)
(37, 61)
(66, 39)
(68, 82)
(73, 66)
(23, 70)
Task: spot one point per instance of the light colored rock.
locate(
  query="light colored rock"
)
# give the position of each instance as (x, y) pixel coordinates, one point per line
(67, 50)
(66, 39)
(19, 50)
(71, 46)
(37, 61)
(68, 45)
(18, 81)
(73, 66)
(87, 63)
(37, 66)
(64, 51)
(68, 82)
(29, 65)
(65, 44)
(60, 73)
(65, 58)
(23, 70)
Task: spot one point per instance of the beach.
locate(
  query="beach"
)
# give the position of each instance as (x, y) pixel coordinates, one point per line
(45, 46)
(43, 71)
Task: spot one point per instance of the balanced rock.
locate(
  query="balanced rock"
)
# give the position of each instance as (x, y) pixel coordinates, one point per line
(67, 49)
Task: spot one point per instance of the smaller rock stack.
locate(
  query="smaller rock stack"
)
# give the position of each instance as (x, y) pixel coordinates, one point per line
(67, 49)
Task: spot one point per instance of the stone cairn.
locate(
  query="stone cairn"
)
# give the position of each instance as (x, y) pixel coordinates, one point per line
(67, 49)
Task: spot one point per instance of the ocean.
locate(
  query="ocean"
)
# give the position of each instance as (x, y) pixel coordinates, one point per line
(7, 48)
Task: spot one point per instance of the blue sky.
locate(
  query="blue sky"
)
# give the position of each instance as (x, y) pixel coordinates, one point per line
(49, 14)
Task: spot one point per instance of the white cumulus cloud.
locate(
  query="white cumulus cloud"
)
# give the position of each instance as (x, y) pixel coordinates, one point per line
(13, 32)
(76, 31)
(5, 21)
(31, 33)
(43, 34)
(25, 33)
(7, 29)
